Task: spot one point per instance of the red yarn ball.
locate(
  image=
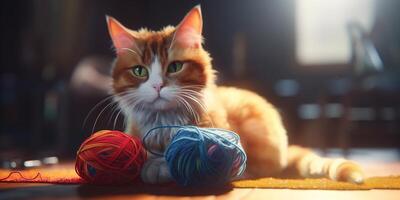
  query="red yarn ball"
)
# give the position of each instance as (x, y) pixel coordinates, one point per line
(110, 157)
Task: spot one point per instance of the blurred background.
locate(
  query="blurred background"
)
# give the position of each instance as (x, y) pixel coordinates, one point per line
(331, 67)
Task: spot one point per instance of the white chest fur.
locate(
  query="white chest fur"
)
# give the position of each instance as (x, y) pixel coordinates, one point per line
(144, 120)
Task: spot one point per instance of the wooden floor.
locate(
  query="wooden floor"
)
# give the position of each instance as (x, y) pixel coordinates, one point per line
(60, 192)
(48, 191)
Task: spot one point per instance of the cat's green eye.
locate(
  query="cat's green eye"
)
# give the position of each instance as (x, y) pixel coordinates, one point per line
(140, 71)
(174, 67)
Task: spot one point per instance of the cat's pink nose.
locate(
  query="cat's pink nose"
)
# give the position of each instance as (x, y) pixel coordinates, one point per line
(158, 86)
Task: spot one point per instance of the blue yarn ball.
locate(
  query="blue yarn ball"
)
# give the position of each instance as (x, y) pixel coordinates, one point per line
(204, 156)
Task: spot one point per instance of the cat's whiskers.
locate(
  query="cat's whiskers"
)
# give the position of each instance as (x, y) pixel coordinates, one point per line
(132, 100)
(195, 96)
(182, 102)
(194, 99)
(115, 109)
(189, 98)
(127, 103)
(184, 93)
(187, 106)
(101, 112)
(192, 86)
(98, 104)
(116, 95)
(190, 109)
(116, 118)
(196, 93)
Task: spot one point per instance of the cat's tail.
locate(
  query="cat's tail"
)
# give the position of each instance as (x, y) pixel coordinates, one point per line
(307, 164)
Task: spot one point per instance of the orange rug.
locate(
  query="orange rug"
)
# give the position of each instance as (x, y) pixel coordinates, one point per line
(67, 175)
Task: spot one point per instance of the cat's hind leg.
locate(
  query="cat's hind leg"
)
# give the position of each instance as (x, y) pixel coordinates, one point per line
(266, 151)
(307, 164)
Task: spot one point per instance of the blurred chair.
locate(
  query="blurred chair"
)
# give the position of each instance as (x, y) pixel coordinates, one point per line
(358, 108)
(371, 105)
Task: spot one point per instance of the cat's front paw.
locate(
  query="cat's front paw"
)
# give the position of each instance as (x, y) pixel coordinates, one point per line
(155, 170)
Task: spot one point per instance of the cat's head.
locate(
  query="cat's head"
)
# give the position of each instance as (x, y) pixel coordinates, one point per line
(160, 70)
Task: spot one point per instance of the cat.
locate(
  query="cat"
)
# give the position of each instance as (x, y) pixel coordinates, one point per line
(166, 77)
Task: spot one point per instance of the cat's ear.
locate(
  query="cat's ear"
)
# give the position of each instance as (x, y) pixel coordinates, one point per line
(188, 32)
(120, 35)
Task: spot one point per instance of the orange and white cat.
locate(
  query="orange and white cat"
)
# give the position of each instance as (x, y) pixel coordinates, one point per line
(166, 78)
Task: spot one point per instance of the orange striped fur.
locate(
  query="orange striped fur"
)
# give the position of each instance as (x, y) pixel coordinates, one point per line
(256, 121)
